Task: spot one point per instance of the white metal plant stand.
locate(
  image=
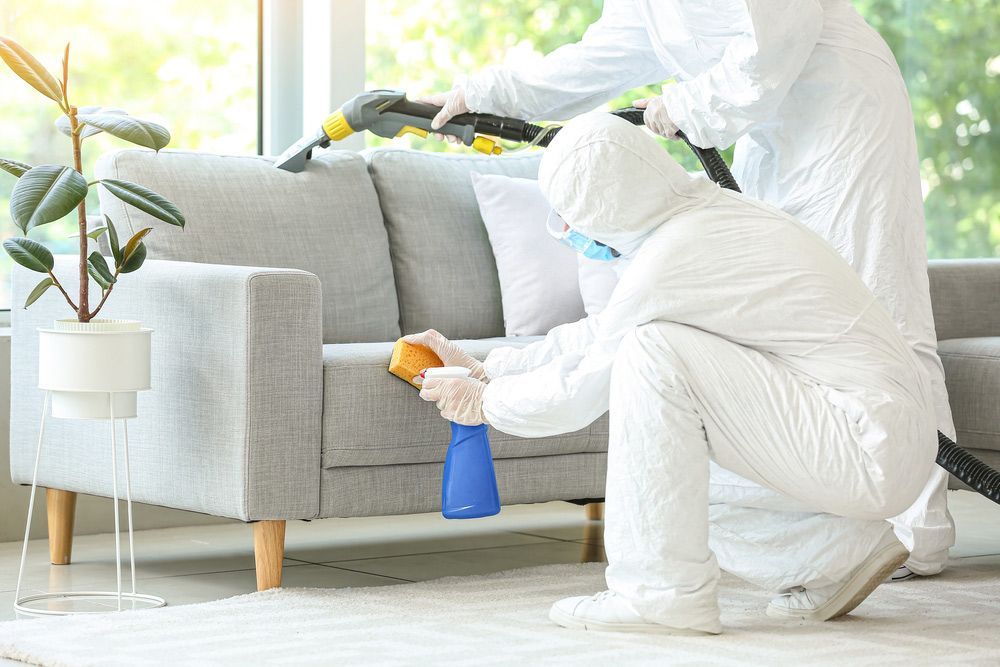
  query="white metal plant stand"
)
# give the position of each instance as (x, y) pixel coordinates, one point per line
(67, 365)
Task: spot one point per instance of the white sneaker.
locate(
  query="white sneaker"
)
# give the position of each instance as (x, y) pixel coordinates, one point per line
(827, 602)
(902, 573)
(607, 612)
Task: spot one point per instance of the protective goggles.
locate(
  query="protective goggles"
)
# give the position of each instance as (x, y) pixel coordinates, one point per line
(586, 246)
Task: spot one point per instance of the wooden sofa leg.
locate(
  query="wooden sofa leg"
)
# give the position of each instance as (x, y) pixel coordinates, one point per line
(595, 511)
(269, 552)
(61, 509)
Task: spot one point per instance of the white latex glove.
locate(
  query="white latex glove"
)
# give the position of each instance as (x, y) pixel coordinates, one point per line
(451, 354)
(452, 103)
(459, 399)
(656, 118)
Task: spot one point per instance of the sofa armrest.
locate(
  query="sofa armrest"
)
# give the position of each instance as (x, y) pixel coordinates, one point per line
(964, 296)
(232, 424)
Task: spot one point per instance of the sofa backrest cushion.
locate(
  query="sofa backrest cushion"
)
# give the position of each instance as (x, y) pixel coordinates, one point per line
(446, 277)
(240, 210)
(964, 295)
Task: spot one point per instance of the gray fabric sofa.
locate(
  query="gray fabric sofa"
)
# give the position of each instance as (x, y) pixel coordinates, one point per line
(274, 314)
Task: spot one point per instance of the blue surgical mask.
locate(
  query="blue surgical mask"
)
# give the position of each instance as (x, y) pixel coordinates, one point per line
(583, 244)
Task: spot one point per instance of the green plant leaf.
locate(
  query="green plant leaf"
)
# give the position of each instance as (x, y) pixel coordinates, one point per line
(96, 233)
(44, 194)
(98, 278)
(99, 264)
(145, 200)
(63, 124)
(134, 243)
(38, 291)
(133, 130)
(28, 68)
(116, 250)
(13, 167)
(135, 260)
(29, 254)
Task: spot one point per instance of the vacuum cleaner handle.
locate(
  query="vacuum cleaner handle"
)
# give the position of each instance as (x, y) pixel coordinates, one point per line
(388, 113)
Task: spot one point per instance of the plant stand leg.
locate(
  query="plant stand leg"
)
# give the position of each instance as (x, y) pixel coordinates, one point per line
(128, 504)
(31, 501)
(595, 511)
(61, 507)
(269, 552)
(114, 484)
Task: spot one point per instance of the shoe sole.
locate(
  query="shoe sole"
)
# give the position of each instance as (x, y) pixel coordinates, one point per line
(560, 617)
(903, 577)
(868, 577)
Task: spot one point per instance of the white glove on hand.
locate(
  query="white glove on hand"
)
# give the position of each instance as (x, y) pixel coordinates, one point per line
(656, 118)
(452, 103)
(459, 399)
(451, 354)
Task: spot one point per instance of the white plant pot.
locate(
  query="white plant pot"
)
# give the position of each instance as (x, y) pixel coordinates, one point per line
(81, 363)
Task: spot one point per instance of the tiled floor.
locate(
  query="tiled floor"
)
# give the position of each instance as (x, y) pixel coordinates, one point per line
(197, 564)
(186, 565)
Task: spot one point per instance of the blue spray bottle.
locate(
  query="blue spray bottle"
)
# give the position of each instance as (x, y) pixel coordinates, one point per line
(469, 486)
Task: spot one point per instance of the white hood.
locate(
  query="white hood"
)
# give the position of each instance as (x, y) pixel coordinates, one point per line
(612, 181)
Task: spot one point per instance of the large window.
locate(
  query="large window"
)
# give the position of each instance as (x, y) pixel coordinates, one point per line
(190, 65)
(193, 66)
(949, 52)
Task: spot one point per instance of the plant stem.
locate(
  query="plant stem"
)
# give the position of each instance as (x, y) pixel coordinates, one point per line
(104, 298)
(83, 313)
(107, 293)
(60, 287)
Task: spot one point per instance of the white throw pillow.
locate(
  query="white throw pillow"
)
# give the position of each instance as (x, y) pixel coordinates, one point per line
(539, 287)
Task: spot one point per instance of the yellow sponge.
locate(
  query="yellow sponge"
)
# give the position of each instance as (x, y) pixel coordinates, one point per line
(408, 360)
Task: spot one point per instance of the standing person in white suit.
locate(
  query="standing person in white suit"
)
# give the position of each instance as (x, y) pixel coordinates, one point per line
(735, 335)
(815, 103)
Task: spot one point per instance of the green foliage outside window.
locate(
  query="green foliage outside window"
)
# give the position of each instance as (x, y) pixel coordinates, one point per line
(948, 50)
(188, 64)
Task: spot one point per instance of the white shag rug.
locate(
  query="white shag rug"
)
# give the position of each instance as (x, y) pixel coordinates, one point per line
(501, 619)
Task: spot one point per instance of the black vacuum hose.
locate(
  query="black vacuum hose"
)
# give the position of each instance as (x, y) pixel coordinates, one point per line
(968, 468)
(711, 161)
(960, 463)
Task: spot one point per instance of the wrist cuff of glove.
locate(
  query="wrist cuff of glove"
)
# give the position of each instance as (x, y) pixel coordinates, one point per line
(476, 95)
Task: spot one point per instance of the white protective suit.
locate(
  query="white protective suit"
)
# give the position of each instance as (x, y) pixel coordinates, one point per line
(816, 105)
(735, 334)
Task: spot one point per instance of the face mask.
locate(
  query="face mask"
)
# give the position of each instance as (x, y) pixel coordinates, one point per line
(586, 246)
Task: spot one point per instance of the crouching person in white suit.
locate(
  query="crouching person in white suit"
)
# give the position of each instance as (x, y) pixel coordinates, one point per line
(736, 336)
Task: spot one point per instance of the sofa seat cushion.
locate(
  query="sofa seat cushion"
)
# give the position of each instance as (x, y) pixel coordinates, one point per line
(372, 418)
(972, 373)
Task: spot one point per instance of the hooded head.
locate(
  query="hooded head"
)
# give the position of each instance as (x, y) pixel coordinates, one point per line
(610, 180)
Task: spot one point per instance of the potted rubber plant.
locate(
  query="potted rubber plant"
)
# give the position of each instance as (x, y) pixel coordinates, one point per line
(91, 366)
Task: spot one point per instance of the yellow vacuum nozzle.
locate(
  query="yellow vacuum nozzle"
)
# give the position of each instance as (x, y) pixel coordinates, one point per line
(336, 126)
(486, 146)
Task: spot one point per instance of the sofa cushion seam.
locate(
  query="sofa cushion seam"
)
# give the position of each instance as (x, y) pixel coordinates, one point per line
(978, 432)
(966, 355)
